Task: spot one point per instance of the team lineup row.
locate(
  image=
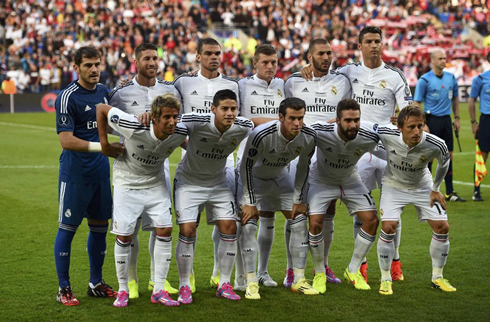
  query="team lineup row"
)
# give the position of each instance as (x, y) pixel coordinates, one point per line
(268, 182)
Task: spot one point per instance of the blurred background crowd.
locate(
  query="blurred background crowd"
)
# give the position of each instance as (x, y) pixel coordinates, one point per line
(39, 37)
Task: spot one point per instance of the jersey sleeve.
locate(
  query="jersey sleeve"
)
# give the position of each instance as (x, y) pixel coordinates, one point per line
(455, 87)
(242, 88)
(303, 167)
(420, 90)
(288, 87)
(403, 94)
(65, 118)
(348, 88)
(476, 87)
(251, 153)
(125, 124)
(442, 165)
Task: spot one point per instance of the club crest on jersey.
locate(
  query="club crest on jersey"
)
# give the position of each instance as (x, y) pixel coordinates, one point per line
(252, 152)
(234, 142)
(298, 150)
(169, 151)
(177, 213)
(357, 153)
(422, 159)
(382, 84)
(115, 119)
(115, 224)
(68, 213)
(279, 93)
(381, 212)
(63, 120)
(334, 90)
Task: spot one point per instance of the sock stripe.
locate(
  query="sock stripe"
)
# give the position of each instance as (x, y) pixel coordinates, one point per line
(68, 227)
(440, 237)
(252, 222)
(98, 229)
(366, 236)
(187, 240)
(122, 244)
(165, 239)
(227, 237)
(298, 220)
(315, 239)
(387, 238)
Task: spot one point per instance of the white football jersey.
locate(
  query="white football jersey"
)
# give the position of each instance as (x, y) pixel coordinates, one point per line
(321, 95)
(378, 90)
(198, 91)
(134, 98)
(207, 149)
(336, 162)
(257, 98)
(267, 156)
(407, 167)
(141, 164)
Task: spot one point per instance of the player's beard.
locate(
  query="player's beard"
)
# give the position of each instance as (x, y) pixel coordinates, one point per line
(318, 66)
(349, 134)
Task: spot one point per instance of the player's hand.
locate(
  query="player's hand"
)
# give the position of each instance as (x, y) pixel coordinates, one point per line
(113, 150)
(476, 130)
(192, 72)
(394, 119)
(332, 121)
(124, 82)
(456, 125)
(439, 197)
(144, 118)
(307, 72)
(299, 209)
(249, 212)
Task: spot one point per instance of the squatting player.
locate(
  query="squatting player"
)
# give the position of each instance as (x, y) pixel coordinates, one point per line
(408, 181)
(200, 180)
(140, 189)
(84, 180)
(269, 186)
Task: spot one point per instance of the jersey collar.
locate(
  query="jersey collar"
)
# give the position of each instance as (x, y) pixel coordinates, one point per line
(135, 80)
(377, 68)
(209, 79)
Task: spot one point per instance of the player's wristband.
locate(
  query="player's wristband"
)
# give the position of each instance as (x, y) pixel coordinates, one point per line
(473, 121)
(94, 147)
(457, 117)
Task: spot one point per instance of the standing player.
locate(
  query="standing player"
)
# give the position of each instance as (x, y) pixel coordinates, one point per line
(269, 186)
(260, 96)
(340, 146)
(407, 180)
(197, 92)
(439, 92)
(379, 89)
(135, 97)
(140, 188)
(200, 180)
(84, 181)
(481, 88)
(321, 95)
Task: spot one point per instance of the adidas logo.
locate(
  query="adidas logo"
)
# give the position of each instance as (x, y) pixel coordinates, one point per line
(305, 90)
(134, 103)
(87, 108)
(329, 149)
(272, 151)
(194, 93)
(355, 81)
(141, 147)
(254, 93)
(393, 152)
(203, 140)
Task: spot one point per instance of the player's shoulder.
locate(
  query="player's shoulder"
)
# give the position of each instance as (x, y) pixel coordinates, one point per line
(396, 72)
(194, 117)
(367, 130)
(348, 66)
(68, 90)
(308, 131)
(118, 89)
(323, 126)
(338, 74)
(295, 77)
(164, 83)
(181, 129)
(228, 78)
(435, 141)
(185, 78)
(244, 122)
(266, 128)
(386, 130)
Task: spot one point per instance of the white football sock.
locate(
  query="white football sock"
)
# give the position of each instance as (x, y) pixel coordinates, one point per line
(328, 229)
(215, 237)
(362, 246)
(163, 256)
(226, 255)
(386, 251)
(439, 249)
(122, 252)
(184, 255)
(299, 245)
(265, 239)
(135, 249)
(151, 250)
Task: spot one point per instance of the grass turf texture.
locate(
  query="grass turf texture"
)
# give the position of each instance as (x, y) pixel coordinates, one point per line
(29, 211)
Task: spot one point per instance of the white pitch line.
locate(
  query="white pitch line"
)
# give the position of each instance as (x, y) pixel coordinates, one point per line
(471, 184)
(29, 166)
(28, 126)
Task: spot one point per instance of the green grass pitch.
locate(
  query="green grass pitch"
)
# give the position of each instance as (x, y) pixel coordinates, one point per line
(29, 210)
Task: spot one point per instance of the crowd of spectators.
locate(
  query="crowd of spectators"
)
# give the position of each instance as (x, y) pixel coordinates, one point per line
(38, 37)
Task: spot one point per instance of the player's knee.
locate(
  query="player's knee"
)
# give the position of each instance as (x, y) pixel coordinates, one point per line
(125, 239)
(167, 231)
(441, 228)
(389, 227)
(316, 224)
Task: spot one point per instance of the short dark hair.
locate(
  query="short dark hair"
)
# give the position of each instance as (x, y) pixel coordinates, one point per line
(347, 104)
(206, 41)
(85, 52)
(224, 94)
(316, 42)
(370, 30)
(407, 112)
(295, 103)
(162, 101)
(264, 49)
(142, 47)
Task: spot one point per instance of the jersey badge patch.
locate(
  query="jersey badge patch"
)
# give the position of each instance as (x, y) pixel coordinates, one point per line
(279, 93)
(254, 93)
(357, 153)
(305, 90)
(68, 213)
(355, 81)
(298, 150)
(252, 152)
(334, 90)
(382, 84)
(203, 140)
(115, 119)
(63, 120)
(135, 103)
(194, 93)
(234, 142)
(422, 159)
(87, 108)
(142, 147)
(169, 151)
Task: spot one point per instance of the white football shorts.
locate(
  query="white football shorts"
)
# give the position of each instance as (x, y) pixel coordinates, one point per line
(152, 204)
(393, 201)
